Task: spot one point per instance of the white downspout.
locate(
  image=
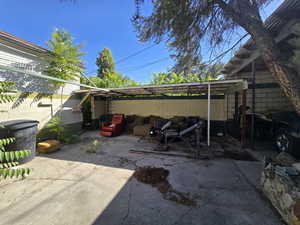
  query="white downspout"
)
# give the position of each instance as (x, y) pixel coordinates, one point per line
(208, 115)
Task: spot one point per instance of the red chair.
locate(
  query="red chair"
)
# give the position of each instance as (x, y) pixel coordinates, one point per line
(113, 128)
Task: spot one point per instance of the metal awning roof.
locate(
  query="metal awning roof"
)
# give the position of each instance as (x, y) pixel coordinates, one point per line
(216, 87)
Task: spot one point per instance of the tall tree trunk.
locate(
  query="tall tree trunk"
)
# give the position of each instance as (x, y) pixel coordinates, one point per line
(287, 77)
(246, 14)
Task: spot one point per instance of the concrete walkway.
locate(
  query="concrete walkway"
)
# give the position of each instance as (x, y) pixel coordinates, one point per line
(73, 187)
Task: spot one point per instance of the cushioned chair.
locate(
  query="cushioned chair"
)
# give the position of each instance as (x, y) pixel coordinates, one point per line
(113, 128)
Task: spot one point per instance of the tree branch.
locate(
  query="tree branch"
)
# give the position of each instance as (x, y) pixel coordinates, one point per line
(228, 50)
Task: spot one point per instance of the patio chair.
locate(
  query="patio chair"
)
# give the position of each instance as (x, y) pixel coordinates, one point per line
(113, 128)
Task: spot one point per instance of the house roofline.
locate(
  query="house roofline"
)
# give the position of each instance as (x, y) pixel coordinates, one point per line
(23, 43)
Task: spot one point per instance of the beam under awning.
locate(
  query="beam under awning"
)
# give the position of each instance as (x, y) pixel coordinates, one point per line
(239, 61)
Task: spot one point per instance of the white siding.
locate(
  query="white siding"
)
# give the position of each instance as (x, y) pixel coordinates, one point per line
(29, 109)
(17, 58)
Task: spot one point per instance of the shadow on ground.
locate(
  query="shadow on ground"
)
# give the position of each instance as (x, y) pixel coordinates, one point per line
(73, 187)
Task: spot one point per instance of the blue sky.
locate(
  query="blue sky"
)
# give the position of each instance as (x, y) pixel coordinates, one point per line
(97, 24)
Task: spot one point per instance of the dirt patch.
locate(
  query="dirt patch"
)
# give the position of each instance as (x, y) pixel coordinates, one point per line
(157, 177)
(151, 175)
(232, 149)
(162, 148)
(239, 155)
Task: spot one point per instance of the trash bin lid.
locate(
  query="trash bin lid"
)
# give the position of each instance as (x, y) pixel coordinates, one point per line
(19, 124)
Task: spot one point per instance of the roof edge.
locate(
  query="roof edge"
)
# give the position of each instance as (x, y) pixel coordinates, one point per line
(21, 42)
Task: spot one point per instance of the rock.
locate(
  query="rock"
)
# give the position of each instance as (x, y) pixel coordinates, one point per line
(285, 159)
(283, 192)
(296, 209)
(296, 166)
(48, 146)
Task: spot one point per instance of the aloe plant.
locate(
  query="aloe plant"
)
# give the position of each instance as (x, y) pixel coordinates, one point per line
(9, 160)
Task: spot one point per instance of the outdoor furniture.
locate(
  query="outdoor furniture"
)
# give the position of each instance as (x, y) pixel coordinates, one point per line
(141, 130)
(113, 128)
(48, 146)
(160, 130)
(170, 135)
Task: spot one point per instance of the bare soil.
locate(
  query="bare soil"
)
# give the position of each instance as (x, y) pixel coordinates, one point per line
(157, 177)
(239, 155)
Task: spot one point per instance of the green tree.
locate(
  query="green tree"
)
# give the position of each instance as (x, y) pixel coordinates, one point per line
(188, 24)
(173, 78)
(187, 66)
(186, 63)
(9, 160)
(65, 63)
(105, 63)
(114, 80)
(99, 82)
(111, 80)
(210, 72)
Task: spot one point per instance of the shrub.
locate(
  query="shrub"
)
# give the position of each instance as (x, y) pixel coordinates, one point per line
(93, 146)
(9, 160)
(55, 126)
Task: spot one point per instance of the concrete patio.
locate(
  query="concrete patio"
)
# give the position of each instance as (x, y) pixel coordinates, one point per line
(73, 187)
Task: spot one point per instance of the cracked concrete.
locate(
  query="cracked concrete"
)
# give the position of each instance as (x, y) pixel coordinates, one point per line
(72, 187)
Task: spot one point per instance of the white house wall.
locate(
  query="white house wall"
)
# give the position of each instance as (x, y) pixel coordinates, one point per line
(21, 58)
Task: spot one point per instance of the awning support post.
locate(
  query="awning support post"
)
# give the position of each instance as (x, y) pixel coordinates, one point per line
(243, 118)
(107, 104)
(236, 107)
(208, 115)
(253, 106)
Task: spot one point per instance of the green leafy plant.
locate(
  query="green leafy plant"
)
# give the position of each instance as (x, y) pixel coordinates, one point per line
(9, 160)
(65, 63)
(55, 126)
(93, 146)
(5, 88)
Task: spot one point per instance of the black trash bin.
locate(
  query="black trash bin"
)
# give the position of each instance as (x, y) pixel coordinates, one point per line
(24, 131)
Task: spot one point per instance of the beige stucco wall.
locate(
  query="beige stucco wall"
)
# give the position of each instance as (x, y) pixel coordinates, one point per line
(98, 108)
(29, 109)
(168, 108)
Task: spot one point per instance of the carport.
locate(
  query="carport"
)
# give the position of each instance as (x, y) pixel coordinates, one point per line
(220, 87)
(204, 89)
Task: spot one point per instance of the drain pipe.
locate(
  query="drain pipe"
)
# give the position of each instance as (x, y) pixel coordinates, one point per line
(208, 115)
